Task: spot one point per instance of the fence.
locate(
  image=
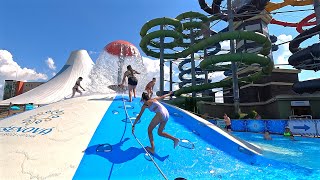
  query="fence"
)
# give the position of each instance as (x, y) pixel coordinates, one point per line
(304, 127)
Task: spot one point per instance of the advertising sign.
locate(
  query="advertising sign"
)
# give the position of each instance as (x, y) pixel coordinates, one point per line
(300, 103)
(303, 127)
(221, 124)
(32, 126)
(256, 125)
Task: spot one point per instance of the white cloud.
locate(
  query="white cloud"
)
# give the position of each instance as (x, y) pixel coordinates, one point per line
(225, 46)
(153, 70)
(219, 96)
(50, 63)
(216, 76)
(10, 70)
(282, 55)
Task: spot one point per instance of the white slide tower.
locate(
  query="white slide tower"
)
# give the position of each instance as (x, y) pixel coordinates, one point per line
(79, 64)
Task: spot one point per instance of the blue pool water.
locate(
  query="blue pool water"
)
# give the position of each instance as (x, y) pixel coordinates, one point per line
(303, 151)
(210, 159)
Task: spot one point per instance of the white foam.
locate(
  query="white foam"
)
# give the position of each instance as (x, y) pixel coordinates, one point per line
(105, 72)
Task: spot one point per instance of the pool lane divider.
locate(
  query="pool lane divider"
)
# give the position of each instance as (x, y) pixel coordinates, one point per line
(151, 158)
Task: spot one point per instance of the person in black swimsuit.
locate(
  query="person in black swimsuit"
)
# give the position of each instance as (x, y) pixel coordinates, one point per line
(76, 87)
(132, 81)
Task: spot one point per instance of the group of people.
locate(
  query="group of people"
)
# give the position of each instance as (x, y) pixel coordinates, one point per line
(226, 118)
(161, 113)
(287, 133)
(133, 82)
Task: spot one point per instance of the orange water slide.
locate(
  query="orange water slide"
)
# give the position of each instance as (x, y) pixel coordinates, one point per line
(274, 6)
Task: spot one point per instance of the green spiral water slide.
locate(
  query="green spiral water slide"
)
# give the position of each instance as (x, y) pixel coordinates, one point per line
(149, 43)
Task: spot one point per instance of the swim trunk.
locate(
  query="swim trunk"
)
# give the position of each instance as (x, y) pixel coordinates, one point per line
(133, 81)
(228, 127)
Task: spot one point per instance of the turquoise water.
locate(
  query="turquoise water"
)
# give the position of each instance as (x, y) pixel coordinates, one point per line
(302, 151)
(212, 157)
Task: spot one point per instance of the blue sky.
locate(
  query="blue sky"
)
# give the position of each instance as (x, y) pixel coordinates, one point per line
(35, 30)
(38, 33)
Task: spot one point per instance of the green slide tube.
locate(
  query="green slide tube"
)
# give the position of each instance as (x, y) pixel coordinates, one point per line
(181, 23)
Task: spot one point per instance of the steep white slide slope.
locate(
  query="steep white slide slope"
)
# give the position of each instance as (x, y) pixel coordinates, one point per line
(47, 142)
(79, 64)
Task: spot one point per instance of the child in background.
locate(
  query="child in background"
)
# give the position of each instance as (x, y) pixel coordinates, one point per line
(227, 121)
(149, 87)
(288, 133)
(267, 136)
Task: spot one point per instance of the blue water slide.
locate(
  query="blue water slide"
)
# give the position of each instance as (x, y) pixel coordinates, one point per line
(246, 9)
(305, 58)
(309, 86)
(183, 72)
(198, 71)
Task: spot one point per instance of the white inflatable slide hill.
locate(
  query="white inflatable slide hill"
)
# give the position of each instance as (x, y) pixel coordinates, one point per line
(60, 86)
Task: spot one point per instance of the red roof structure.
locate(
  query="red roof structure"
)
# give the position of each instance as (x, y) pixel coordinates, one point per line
(121, 48)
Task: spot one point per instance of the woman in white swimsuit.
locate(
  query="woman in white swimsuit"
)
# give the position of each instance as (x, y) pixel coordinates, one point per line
(161, 117)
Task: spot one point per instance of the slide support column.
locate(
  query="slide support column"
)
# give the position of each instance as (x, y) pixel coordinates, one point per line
(161, 63)
(234, 68)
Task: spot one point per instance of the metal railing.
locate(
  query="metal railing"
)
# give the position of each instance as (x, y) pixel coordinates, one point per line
(300, 117)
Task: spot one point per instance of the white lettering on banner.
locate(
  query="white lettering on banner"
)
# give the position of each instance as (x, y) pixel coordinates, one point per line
(303, 127)
(42, 117)
(25, 130)
(16, 131)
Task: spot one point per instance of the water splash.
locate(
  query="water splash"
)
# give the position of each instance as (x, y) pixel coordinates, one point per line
(106, 70)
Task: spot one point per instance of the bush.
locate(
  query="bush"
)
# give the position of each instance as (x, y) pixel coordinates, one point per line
(252, 114)
(236, 116)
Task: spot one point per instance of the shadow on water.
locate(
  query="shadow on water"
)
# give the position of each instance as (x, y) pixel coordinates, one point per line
(118, 155)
